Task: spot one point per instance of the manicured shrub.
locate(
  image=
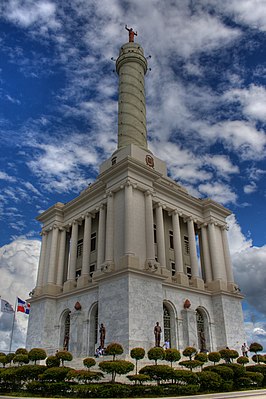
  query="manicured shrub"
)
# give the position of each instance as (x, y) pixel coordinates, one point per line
(137, 354)
(89, 362)
(209, 381)
(258, 358)
(158, 372)
(2, 354)
(189, 351)
(114, 349)
(187, 377)
(259, 368)
(214, 357)
(237, 369)
(37, 354)
(20, 359)
(9, 380)
(55, 374)
(156, 354)
(138, 378)
(225, 355)
(52, 361)
(101, 390)
(226, 373)
(10, 357)
(29, 372)
(242, 360)
(255, 347)
(115, 367)
(64, 356)
(84, 375)
(21, 351)
(257, 378)
(191, 364)
(172, 355)
(3, 360)
(201, 357)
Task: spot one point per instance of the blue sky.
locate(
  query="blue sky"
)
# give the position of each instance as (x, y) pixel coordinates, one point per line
(206, 117)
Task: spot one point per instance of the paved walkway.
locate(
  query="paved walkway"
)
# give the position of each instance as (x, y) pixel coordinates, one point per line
(260, 394)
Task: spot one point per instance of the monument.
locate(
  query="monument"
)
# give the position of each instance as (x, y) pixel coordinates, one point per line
(133, 249)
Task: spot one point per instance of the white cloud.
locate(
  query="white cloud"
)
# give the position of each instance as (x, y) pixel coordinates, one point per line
(219, 192)
(250, 188)
(18, 267)
(5, 176)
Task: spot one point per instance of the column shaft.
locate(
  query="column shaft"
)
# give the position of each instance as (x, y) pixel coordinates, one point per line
(150, 253)
(101, 237)
(61, 257)
(218, 271)
(53, 253)
(109, 237)
(42, 261)
(227, 257)
(192, 249)
(160, 235)
(129, 220)
(86, 246)
(206, 254)
(73, 252)
(177, 243)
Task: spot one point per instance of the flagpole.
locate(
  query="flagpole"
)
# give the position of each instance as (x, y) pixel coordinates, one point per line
(13, 324)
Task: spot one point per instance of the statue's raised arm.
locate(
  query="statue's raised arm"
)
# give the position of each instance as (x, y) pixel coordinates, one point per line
(131, 34)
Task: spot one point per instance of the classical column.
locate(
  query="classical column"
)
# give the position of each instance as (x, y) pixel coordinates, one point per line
(53, 254)
(109, 236)
(73, 252)
(218, 271)
(192, 248)
(42, 261)
(227, 256)
(177, 243)
(129, 221)
(206, 254)
(101, 236)
(150, 253)
(61, 257)
(86, 245)
(160, 235)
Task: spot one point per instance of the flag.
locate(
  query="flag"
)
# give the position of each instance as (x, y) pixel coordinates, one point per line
(23, 306)
(6, 307)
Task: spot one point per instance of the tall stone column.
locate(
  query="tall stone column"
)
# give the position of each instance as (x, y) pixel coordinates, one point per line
(83, 280)
(160, 235)
(101, 237)
(129, 219)
(71, 273)
(150, 252)
(180, 277)
(61, 257)
(41, 267)
(53, 255)
(192, 248)
(218, 271)
(206, 254)
(227, 257)
(109, 237)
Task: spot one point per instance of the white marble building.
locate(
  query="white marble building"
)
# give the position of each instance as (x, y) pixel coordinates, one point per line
(134, 248)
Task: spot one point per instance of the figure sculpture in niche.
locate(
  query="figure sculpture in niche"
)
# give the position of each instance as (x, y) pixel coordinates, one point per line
(157, 334)
(102, 335)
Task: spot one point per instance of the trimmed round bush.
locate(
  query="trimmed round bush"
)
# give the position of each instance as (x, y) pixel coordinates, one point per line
(30, 372)
(255, 347)
(158, 372)
(64, 356)
(10, 357)
(114, 349)
(55, 374)
(37, 354)
(187, 377)
(156, 354)
(3, 360)
(21, 351)
(258, 358)
(84, 375)
(214, 357)
(202, 357)
(137, 354)
(21, 359)
(189, 351)
(115, 367)
(138, 378)
(172, 355)
(242, 360)
(52, 361)
(237, 369)
(191, 364)
(89, 362)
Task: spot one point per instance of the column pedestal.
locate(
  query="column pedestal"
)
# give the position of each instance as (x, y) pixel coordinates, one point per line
(217, 285)
(181, 278)
(83, 281)
(69, 285)
(197, 282)
(51, 289)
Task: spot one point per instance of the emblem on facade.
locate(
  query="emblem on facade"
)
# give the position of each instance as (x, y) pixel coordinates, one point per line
(187, 304)
(77, 306)
(150, 161)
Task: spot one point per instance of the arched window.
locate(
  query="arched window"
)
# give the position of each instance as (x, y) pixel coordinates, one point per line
(66, 332)
(167, 324)
(201, 331)
(93, 328)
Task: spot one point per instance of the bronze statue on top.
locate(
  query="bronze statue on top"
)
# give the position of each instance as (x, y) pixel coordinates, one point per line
(131, 34)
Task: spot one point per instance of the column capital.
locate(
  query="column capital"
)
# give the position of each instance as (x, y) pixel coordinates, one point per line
(148, 192)
(160, 205)
(43, 233)
(225, 227)
(110, 194)
(175, 212)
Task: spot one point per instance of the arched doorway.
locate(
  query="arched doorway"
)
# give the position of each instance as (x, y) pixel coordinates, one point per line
(93, 328)
(65, 330)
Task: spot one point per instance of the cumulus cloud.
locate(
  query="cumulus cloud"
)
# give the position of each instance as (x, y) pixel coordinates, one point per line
(18, 268)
